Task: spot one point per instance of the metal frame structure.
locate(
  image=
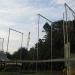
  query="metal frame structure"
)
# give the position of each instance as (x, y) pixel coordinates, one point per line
(65, 32)
(10, 29)
(66, 42)
(39, 61)
(70, 9)
(50, 60)
(39, 15)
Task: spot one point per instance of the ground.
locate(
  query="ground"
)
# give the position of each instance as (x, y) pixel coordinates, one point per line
(6, 73)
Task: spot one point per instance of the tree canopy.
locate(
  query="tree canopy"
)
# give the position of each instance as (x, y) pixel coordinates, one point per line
(44, 47)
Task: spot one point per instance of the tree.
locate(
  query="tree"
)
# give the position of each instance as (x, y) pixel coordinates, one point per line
(21, 53)
(32, 53)
(44, 46)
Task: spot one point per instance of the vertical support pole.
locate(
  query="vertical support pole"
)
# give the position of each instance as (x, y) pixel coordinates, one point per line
(7, 46)
(68, 44)
(51, 35)
(64, 35)
(3, 45)
(66, 22)
(28, 40)
(8, 40)
(37, 44)
(66, 39)
(38, 36)
(65, 62)
(51, 48)
(22, 40)
(21, 47)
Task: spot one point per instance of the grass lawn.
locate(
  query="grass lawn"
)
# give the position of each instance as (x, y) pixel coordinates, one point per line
(9, 73)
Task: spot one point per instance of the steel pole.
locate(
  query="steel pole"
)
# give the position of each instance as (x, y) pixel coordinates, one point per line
(38, 43)
(51, 35)
(21, 47)
(8, 40)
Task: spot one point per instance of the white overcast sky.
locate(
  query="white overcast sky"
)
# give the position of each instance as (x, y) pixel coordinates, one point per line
(22, 15)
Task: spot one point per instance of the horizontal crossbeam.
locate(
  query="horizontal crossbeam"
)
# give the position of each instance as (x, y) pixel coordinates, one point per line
(37, 61)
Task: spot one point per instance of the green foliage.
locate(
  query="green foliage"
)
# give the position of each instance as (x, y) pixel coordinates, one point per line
(22, 54)
(44, 46)
(32, 53)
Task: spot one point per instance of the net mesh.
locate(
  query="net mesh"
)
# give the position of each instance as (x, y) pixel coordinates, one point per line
(47, 37)
(70, 22)
(44, 26)
(70, 18)
(15, 40)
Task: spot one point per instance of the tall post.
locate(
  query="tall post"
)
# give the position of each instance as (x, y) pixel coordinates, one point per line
(38, 43)
(3, 45)
(28, 40)
(51, 36)
(64, 39)
(67, 42)
(8, 40)
(65, 58)
(66, 23)
(21, 47)
(38, 36)
(51, 48)
(22, 40)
